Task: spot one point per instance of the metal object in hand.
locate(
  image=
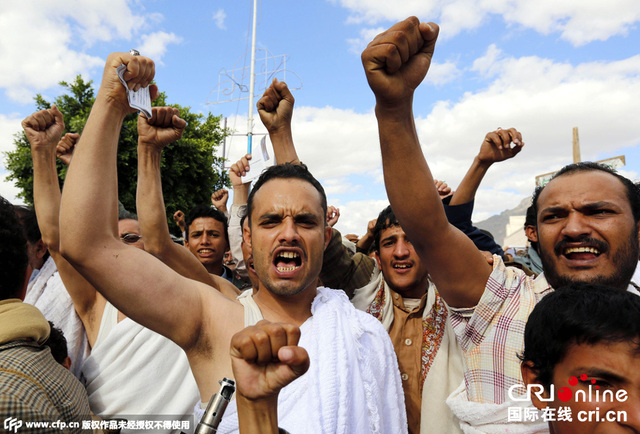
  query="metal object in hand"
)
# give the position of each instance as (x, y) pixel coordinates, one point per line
(217, 405)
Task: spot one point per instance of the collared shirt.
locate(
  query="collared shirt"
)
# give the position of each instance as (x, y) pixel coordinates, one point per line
(406, 335)
(492, 333)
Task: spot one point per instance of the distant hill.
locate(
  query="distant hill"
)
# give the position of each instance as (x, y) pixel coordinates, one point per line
(497, 224)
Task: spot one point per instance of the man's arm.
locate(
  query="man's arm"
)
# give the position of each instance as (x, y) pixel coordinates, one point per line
(138, 284)
(495, 147)
(276, 111)
(164, 127)
(238, 209)
(265, 358)
(43, 130)
(343, 270)
(396, 62)
(219, 199)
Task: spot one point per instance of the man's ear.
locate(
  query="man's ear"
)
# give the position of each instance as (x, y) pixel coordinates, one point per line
(40, 249)
(246, 236)
(376, 255)
(328, 232)
(532, 233)
(530, 376)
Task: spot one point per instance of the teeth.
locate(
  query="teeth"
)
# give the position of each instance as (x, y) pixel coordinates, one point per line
(289, 255)
(582, 250)
(401, 266)
(286, 269)
(205, 251)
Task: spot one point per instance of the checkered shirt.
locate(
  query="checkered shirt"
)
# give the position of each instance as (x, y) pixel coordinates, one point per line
(492, 333)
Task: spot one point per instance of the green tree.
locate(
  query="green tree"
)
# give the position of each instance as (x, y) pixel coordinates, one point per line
(190, 171)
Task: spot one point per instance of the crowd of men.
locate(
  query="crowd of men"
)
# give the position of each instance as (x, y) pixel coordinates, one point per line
(421, 325)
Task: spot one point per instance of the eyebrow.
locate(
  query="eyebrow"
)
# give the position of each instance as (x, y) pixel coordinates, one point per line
(270, 216)
(602, 373)
(586, 207)
(389, 238)
(306, 216)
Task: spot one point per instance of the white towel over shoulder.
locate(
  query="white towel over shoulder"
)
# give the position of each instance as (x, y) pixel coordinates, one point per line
(353, 384)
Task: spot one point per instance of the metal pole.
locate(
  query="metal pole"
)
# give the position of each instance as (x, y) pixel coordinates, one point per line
(252, 77)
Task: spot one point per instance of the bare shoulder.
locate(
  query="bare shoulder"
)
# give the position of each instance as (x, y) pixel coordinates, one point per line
(225, 287)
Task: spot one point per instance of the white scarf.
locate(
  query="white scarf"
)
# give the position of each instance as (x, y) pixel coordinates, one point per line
(353, 383)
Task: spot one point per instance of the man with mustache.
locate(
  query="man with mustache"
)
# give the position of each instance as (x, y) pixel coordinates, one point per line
(587, 226)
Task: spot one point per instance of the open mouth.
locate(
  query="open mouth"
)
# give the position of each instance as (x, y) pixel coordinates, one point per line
(581, 250)
(402, 266)
(287, 261)
(581, 253)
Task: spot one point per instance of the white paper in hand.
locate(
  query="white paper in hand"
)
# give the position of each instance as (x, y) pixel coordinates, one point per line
(258, 162)
(140, 99)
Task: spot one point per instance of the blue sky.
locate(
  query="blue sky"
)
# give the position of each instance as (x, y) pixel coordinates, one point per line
(543, 67)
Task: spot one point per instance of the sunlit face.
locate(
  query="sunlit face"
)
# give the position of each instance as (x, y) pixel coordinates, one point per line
(586, 230)
(130, 233)
(207, 241)
(402, 269)
(288, 235)
(611, 367)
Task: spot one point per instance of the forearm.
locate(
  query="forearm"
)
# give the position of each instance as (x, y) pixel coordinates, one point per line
(257, 416)
(153, 221)
(235, 237)
(364, 244)
(46, 196)
(150, 202)
(406, 174)
(466, 191)
(455, 265)
(283, 147)
(342, 270)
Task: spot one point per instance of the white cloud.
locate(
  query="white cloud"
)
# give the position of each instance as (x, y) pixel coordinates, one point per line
(442, 73)
(354, 215)
(218, 17)
(48, 39)
(154, 45)
(487, 65)
(357, 45)
(577, 21)
(9, 125)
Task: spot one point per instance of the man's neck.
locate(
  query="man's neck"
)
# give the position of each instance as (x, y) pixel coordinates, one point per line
(216, 268)
(293, 309)
(415, 291)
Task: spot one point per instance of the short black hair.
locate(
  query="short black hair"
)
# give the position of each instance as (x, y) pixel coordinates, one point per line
(13, 252)
(206, 210)
(580, 313)
(58, 344)
(633, 193)
(29, 220)
(386, 219)
(127, 215)
(531, 219)
(287, 171)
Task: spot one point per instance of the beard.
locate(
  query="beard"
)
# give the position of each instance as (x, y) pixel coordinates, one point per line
(625, 260)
